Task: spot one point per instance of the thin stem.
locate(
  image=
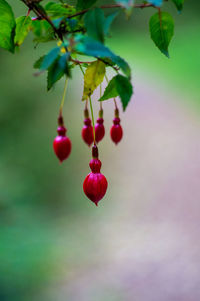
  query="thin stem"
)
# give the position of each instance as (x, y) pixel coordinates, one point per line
(100, 91)
(63, 97)
(92, 114)
(111, 6)
(116, 107)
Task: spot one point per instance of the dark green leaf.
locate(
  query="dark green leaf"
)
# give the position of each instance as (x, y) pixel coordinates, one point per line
(50, 58)
(84, 4)
(108, 21)
(42, 30)
(119, 86)
(94, 23)
(162, 30)
(7, 26)
(94, 48)
(179, 4)
(23, 26)
(54, 74)
(63, 63)
(38, 63)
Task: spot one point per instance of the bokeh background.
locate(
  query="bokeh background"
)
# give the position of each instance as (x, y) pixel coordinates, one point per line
(142, 242)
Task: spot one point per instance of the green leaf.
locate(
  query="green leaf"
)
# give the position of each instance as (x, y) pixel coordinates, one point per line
(42, 30)
(50, 58)
(55, 73)
(162, 30)
(38, 63)
(90, 47)
(108, 21)
(84, 4)
(59, 10)
(23, 26)
(119, 86)
(94, 23)
(7, 26)
(97, 26)
(63, 63)
(179, 4)
(93, 77)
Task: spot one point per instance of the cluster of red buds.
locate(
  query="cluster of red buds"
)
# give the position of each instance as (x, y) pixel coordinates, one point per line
(95, 183)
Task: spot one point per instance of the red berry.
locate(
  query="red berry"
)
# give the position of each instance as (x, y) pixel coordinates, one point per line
(95, 184)
(87, 132)
(62, 144)
(99, 130)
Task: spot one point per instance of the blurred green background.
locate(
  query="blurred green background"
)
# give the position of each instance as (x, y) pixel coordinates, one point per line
(142, 242)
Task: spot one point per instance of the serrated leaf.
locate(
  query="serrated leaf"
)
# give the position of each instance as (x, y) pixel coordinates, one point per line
(55, 73)
(119, 86)
(179, 4)
(161, 27)
(94, 23)
(84, 4)
(155, 2)
(63, 63)
(93, 77)
(94, 48)
(23, 26)
(7, 26)
(50, 58)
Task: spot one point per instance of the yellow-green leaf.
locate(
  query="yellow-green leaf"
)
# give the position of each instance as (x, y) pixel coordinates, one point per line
(23, 26)
(94, 75)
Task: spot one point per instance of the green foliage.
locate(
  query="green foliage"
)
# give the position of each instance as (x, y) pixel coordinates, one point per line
(162, 30)
(179, 4)
(82, 30)
(7, 26)
(97, 26)
(82, 4)
(94, 48)
(23, 26)
(119, 86)
(93, 77)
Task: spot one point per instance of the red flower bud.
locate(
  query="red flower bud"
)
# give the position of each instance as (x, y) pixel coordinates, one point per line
(116, 131)
(62, 144)
(87, 132)
(95, 184)
(99, 130)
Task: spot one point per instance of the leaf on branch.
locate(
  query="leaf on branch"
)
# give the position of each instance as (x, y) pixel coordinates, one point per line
(56, 71)
(59, 10)
(50, 58)
(23, 26)
(7, 26)
(156, 2)
(42, 30)
(119, 86)
(93, 77)
(84, 4)
(161, 27)
(90, 47)
(94, 23)
(179, 4)
(97, 25)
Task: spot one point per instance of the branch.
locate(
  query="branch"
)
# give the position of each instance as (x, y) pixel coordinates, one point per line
(111, 6)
